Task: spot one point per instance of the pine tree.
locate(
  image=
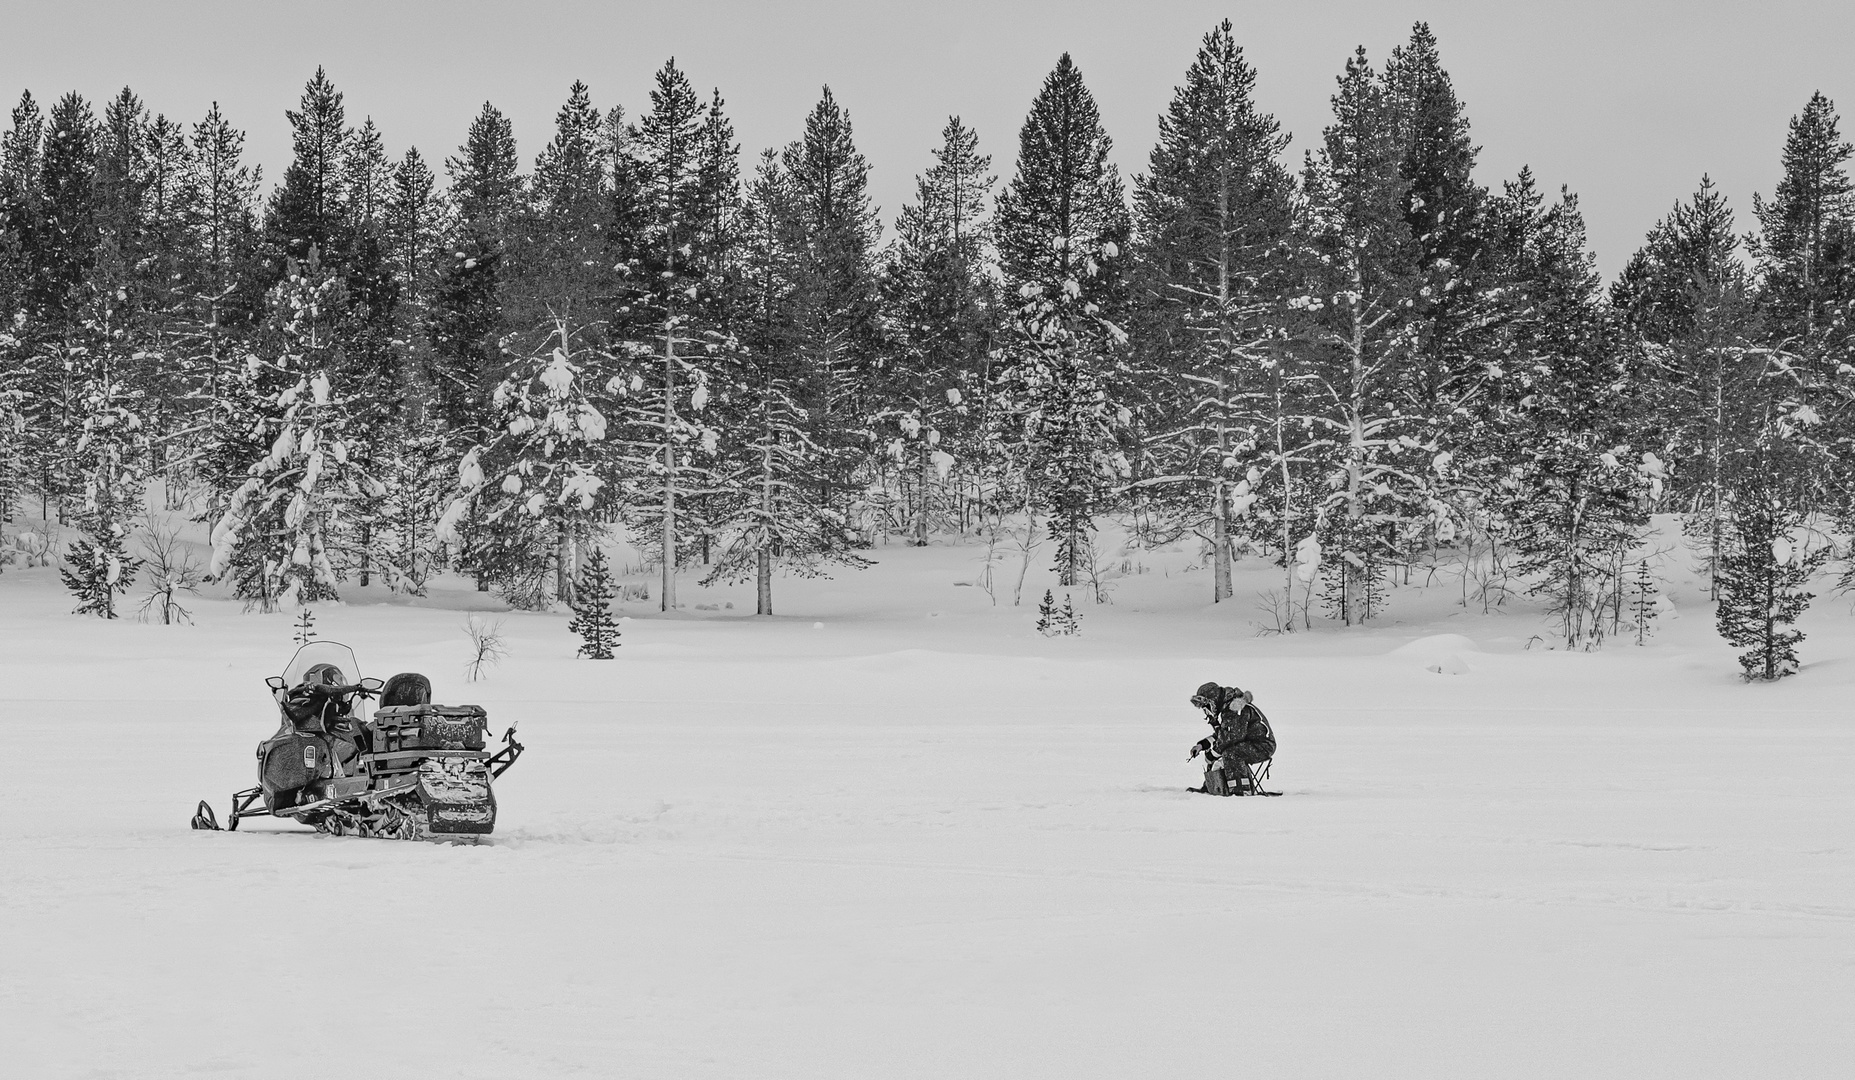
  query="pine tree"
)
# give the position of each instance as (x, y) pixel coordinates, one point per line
(1574, 494)
(286, 532)
(1053, 621)
(468, 320)
(1361, 275)
(1061, 228)
(413, 219)
(122, 179)
(308, 210)
(539, 481)
(1762, 576)
(1048, 617)
(22, 201)
(1443, 211)
(766, 503)
(68, 242)
(669, 321)
(1644, 594)
(110, 456)
(21, 210)
(561, 260)
(592, 608)
(221, 279)
(831, 231)
(939, 297)
(1804, 250)
(1686, 296)
(1214, 214)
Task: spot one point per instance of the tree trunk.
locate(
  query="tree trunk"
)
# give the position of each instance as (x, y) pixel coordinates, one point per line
(563, 555)
(1220, 507)
(1352, 574)
(669, 466)
(763, 559)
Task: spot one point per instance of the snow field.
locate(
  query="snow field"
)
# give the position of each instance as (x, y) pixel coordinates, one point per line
(914, 845)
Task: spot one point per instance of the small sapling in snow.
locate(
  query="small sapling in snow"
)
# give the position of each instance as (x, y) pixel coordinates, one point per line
(592, 609)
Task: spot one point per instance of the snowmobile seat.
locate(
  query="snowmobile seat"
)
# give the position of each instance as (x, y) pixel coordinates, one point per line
(406, 688)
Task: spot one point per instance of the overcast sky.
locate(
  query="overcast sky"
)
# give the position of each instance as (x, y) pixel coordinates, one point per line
(1627, 101)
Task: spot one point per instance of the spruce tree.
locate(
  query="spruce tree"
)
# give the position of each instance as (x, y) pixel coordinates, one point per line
(221, 279)
(287, 533)
(68, 242)
(1687, 298)
(767, 504)
(1803, 250)
(1361, 273)
(592, 608)
(1762, 575)
(1061, 229)
(561, 263)
(539, 481)
(1575, 492)
(110, 458)
(669, 320)
(307, 210)
(941, 305)
(122, 172)
(1443, 209)
(1214, 213)
(412, 220)
(468, 320)
(831, 232)
(22, 200)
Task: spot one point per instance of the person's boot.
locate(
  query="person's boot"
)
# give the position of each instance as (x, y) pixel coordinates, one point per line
(1242, 780)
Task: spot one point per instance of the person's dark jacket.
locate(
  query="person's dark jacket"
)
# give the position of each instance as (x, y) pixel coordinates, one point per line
(1243, 733)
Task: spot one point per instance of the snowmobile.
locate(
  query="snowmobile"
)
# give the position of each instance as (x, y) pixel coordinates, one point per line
(406, 769)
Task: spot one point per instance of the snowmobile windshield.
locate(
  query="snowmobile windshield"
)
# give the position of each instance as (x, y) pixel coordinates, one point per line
(333, 653)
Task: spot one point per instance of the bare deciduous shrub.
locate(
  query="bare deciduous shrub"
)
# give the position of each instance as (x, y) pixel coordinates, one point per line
(486, 645)
(172, 571)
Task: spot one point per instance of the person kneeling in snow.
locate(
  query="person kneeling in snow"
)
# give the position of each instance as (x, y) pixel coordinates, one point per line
(1240, 737)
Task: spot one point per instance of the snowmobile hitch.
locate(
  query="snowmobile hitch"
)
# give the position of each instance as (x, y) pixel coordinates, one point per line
(500, 761)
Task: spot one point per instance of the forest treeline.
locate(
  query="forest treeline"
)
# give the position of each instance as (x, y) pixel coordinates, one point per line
(1348, 363)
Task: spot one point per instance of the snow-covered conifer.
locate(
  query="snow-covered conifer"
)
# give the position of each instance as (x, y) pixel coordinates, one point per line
(830, 231)
(286, 524)
(1576, 495)
(307, 210)
(668, 323)
(1762, 577)
(110, 458)
(1062, 232)
(767, 502)
(1213, 213)
(939, 298)
(538, 481)
(1362, 273)
(1805, 247)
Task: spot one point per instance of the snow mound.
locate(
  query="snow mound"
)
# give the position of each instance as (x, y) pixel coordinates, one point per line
(1441, 653)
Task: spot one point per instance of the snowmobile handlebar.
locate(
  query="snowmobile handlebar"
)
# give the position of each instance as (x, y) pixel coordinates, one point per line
(360, 688)
(366, 688)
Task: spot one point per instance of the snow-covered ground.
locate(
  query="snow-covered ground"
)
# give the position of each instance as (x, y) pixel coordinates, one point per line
(894, 833)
